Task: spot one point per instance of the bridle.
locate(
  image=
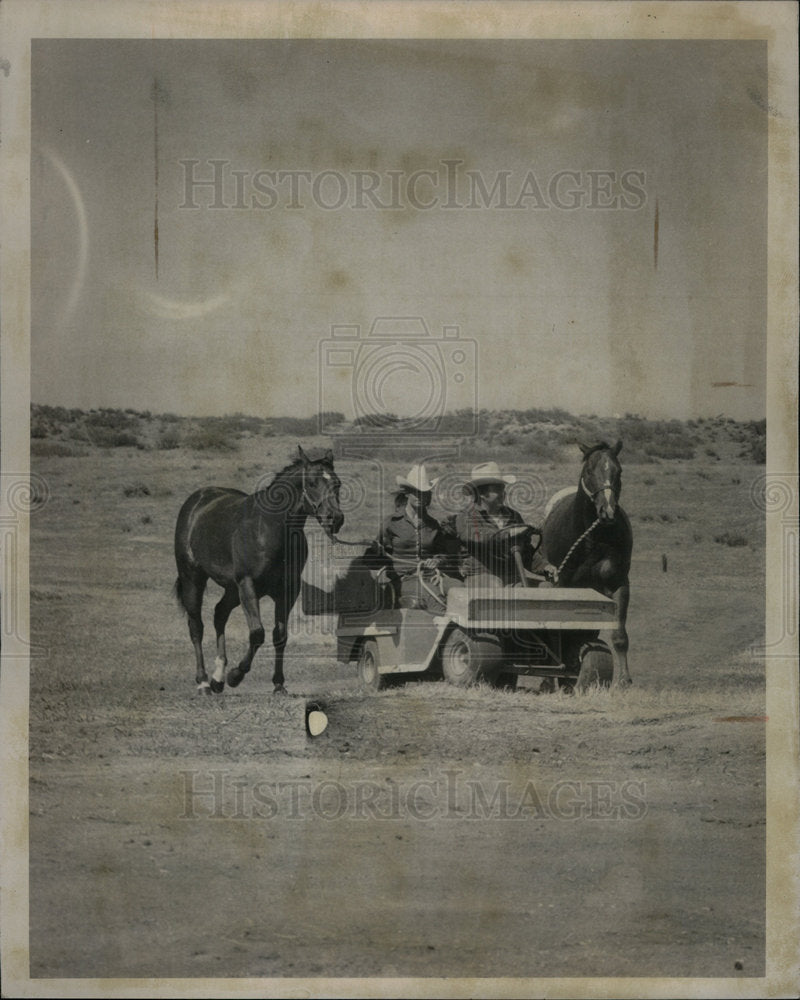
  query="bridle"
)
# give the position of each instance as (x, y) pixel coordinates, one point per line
(607, 485)
(305, 497)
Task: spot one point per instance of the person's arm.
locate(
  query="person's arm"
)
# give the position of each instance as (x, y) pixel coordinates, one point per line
(441, 550)
(386, 537)
(379, 552)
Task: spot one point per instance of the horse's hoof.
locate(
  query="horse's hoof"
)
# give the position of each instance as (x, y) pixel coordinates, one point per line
(217, 686)
(234, 677)
(204, 688)
(280, 689)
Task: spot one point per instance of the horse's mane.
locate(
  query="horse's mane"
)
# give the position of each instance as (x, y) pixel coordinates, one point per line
(294, 465)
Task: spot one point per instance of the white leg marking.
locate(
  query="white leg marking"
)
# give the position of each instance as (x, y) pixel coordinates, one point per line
(219, 669)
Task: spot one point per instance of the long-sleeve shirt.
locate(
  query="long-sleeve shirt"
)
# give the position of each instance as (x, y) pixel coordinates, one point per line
(403, 539)
(480, 550)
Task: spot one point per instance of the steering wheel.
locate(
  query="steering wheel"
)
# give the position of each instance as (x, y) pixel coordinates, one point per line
(516, 534)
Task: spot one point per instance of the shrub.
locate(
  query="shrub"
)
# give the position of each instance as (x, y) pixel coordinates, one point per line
(111, 419)
(58, 449)
(329, 418)
(55, 414)
(77, 433)
(136, 490)
(670, 449)
(757, 451)
(464, 421)
(667, 439)
(543, 447)
(210, 438)
(295, 426)
(169, 438)
(371, 420)
(105, 437)
(731, 539)
(537, 416)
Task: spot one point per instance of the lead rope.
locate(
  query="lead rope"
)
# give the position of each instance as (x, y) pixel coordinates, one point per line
(574, 546)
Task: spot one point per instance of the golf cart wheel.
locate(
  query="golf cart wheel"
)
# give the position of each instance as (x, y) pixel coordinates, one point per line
(368, 660)
(597, 667)
(466, 659)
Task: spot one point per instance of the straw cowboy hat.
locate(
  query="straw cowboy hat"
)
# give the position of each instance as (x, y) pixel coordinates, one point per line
(417, 480)
(489, 472)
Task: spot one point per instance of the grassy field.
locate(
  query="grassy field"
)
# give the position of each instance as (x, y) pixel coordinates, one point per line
(115, 725)
(104, 535)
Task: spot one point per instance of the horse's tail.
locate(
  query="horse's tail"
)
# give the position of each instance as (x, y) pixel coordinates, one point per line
(177, 593)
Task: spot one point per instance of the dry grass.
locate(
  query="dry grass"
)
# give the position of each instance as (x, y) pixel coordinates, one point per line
(118, 676)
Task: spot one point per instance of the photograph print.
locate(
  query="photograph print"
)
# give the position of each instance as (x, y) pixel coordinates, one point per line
(409, 596)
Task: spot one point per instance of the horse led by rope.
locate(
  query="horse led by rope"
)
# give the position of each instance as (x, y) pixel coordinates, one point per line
(252, 546)
(588, 537)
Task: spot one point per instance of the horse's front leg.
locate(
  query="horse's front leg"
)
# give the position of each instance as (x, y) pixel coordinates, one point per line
(222, 612)
(249, 601)
(619, 637)
(279, 639)
(189, 590)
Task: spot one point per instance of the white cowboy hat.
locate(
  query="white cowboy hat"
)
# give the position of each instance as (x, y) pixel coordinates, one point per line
(489, 472)
(417, 480)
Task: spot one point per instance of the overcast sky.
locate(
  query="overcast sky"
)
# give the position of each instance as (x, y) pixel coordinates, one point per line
(586, 218)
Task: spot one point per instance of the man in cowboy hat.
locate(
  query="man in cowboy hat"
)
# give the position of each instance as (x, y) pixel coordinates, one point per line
(416, 543)
(487, 559)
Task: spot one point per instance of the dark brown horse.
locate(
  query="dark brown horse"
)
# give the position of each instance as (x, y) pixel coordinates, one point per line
(252, 546)
(588, 538)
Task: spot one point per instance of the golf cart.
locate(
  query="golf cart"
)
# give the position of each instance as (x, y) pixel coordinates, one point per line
(494, 635)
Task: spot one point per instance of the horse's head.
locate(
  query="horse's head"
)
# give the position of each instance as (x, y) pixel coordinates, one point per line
(320, 491)
(601, 478)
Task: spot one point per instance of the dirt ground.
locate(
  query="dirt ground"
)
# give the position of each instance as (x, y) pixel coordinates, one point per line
(428, 832)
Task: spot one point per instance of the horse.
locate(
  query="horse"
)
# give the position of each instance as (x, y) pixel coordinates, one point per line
(252, 546)
(587, 536)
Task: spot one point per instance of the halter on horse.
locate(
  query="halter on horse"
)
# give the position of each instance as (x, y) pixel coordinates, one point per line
(252, 546)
